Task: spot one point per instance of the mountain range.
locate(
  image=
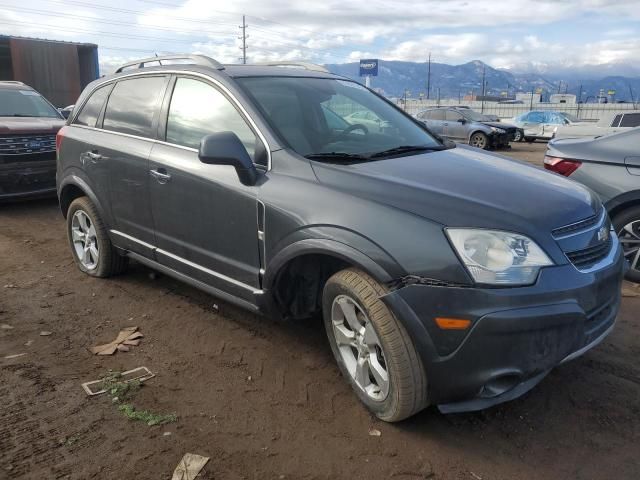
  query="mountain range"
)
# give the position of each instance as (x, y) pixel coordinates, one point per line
(456, 81)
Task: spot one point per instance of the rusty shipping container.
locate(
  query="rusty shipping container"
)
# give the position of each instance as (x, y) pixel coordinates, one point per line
(58, 70)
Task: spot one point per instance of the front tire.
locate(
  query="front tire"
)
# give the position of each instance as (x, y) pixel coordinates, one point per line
(479, 140)
(627, 226)
(372, 348)
(90, 244)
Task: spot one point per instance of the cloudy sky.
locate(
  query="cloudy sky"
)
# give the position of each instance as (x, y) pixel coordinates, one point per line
(511, 34)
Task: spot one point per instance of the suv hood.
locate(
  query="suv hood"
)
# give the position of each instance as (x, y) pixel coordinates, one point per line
(20, 125)
(466, 187)
(504, 126)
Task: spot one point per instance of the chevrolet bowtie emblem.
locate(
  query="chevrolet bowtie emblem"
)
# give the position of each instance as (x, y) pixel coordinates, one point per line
(603, 234)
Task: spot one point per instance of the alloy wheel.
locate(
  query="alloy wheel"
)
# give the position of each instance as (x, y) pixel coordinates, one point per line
(360, 347)
(85, 243)
(629, 236)
(478, 140)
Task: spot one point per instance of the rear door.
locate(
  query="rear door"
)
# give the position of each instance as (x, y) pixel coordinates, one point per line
(129, 127)
(435, 121)
(205, 219)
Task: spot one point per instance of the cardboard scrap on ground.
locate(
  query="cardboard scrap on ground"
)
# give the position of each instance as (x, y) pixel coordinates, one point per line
(189, 467)
(141, 374)
(128, 336)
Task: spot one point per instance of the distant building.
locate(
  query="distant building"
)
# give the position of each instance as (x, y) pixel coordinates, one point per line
(526, 97)
(58, 70)
(563, 98)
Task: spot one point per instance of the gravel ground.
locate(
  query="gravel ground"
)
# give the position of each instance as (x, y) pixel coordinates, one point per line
(263, 398)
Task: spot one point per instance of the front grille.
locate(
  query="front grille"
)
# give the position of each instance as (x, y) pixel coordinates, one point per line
(574, 227)
(27, 144)
(587, 257)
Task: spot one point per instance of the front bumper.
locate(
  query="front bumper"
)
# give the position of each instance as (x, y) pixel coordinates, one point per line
(500, 139)
(27, 179)
(517, 334)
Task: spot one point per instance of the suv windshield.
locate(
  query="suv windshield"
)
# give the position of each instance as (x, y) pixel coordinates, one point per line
(335, 118)
(25, 103)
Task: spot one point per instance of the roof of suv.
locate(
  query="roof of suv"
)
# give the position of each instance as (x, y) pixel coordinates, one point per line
(14, 85)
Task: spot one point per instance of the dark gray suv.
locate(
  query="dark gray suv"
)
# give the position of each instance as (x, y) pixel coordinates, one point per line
(445, 276)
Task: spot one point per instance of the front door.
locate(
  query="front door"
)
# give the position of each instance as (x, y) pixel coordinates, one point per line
(454, 128)
(205, 219)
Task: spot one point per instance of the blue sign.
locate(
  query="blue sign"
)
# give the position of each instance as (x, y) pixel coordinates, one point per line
(369, 67)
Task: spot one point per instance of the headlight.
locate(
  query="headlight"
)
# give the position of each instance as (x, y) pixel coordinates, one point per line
(498, 258)
(497, 130)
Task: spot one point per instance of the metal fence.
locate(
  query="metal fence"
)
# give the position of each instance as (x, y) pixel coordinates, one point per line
(585, 111)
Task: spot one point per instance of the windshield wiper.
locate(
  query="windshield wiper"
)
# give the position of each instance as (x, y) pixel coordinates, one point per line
(406, 149)
(20, 115)
(336, 156)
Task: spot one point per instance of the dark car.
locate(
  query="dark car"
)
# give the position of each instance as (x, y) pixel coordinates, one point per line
(467, 126)
(610, 166)
(28, 127)
(445, 276)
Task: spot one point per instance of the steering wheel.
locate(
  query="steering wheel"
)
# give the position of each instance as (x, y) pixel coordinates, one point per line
(351, 128)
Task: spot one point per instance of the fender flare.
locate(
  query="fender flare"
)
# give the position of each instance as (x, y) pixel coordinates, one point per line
(327, 247)
(77, 181)
(619, 203)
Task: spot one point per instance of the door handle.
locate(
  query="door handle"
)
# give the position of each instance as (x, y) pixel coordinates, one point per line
(94, 156)
(161, 175)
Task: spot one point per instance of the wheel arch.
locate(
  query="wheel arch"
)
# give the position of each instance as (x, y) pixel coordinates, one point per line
(622, 202)
(308, 264)
(73, 187)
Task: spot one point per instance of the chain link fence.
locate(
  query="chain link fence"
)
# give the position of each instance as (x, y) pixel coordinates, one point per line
(585, 111)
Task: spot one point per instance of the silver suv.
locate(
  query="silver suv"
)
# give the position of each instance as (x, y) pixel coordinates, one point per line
(467, 126)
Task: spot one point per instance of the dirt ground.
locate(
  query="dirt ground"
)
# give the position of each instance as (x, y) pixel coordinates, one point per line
(263, 398)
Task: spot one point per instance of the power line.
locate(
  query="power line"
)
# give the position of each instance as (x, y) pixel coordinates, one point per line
(49, 13)
(108, 34)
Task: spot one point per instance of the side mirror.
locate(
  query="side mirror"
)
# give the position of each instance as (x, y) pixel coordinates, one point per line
(225, 148)
(462, 120)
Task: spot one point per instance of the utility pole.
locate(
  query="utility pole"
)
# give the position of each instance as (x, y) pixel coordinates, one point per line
(483, 88)
(243, 27)
(633, 101)
(531, 104)
(429, 76)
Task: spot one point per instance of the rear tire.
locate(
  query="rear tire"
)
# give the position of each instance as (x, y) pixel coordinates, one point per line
(517, 137)
(627, 226)
(376, 355)
(90, 245)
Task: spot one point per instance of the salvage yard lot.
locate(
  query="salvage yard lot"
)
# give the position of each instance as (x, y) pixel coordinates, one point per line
(263, 398)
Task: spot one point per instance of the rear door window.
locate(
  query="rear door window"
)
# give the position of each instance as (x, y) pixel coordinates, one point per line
(92, 108)
(133, 106)
(630, 120)
(616, 121)
(437, 115)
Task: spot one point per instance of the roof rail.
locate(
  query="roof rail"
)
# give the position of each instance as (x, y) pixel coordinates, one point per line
(12, 82)
(305, 65)
(191, 59)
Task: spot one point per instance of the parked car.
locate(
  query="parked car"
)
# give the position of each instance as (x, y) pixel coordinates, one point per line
(611, 122)
(541, 124)
(28, 127)
(369, 120)
(465, 125)
(610, 166)
(433, 288)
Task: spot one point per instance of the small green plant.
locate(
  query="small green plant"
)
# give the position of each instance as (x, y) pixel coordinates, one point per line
(146, 416)
(121, 392)
(72, 440)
